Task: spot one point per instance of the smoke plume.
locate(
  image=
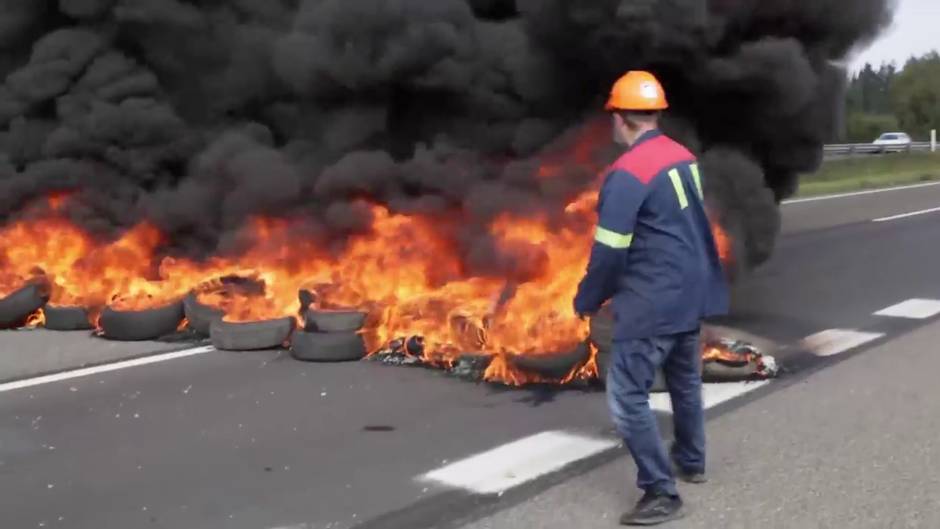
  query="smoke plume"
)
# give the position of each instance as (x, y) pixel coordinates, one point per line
(197, 116)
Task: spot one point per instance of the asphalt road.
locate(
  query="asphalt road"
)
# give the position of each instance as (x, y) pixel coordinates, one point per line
(855, 445)
(258, 441)
(833, 266)
(32, 352)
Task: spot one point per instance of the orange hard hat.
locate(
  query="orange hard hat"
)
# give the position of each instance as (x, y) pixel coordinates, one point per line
(637, 90)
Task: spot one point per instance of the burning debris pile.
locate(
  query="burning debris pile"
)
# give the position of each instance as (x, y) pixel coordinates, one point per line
(725, 360)
(426, 163)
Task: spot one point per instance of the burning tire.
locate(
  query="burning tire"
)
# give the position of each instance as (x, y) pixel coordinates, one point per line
(554, 367)
(327, 347)
(334, 321)
(16, 308)
(718, 372)
(139, 325)
(67, 318)
(200, 316)
(251, 336)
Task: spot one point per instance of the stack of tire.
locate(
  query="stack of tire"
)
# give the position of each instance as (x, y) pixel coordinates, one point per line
(200, 316)
(602, 336)
(330, 336)
(236, 336)
(251, 335)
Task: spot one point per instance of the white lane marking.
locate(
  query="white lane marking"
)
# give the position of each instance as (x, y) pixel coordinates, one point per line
(906, 215)
(857, 193)
(712, 394)
(518, 462)
(915, 309)
(84, 372)
(834, 341)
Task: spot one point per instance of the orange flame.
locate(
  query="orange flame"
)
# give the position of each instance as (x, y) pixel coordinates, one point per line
(722, 354)
(36, 319)
(401, 272)
(722, 242)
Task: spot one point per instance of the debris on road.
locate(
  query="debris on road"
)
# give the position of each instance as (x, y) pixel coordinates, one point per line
(726, 360)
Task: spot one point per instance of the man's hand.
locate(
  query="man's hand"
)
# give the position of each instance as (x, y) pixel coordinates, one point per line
(581, 311)
(585, 315)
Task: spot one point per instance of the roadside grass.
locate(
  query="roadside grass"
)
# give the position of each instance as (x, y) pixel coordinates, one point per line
(871, 172)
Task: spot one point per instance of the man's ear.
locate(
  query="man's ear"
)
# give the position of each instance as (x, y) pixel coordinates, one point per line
(617, 119)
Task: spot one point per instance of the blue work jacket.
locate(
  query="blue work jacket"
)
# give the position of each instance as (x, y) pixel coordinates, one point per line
(654, 254)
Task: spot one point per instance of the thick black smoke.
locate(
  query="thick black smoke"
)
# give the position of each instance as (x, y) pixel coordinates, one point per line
(199, 115)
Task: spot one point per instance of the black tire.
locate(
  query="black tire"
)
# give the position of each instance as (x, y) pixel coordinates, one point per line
(252, 335)
(200, 316)
(140, 325)
(67, 318)
(718, 372)
(334, 320)
(20, 304)
(327, 347)
(555, 366)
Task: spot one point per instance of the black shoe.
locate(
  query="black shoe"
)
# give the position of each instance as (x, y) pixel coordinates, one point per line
(696, 478)
(654, 509)
(689, 476)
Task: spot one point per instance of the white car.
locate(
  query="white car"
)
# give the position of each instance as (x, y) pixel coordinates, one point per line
(893, 141)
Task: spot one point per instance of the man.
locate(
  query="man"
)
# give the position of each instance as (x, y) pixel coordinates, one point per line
(655, 257)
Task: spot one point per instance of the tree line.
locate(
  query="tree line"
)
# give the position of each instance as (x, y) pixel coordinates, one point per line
(892, 99)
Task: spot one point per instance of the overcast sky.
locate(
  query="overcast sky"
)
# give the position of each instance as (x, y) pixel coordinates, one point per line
(915, 32)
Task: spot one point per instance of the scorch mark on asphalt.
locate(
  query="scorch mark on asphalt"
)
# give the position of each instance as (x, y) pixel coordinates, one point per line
(84, 372)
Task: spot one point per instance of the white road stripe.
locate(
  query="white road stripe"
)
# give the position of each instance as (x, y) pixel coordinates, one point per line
(916, 309)
(834, 341)
(857, 193)
(518, 462)
(906, 215)
(712, 394)
(84, 372)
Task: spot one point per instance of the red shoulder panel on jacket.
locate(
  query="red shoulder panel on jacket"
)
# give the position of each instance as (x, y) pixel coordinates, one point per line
(652, 156)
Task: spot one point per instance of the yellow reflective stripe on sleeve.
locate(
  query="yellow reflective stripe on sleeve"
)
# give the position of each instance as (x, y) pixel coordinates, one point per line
(680, 189)
(698, 179)
(617, 241)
